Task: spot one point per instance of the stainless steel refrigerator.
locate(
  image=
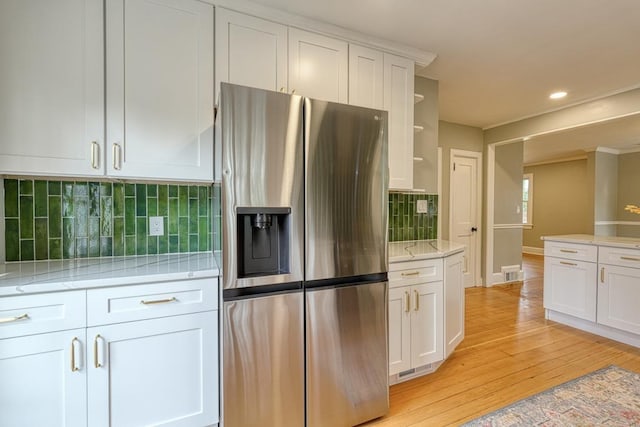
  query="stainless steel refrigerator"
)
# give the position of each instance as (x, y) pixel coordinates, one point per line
(304, 201)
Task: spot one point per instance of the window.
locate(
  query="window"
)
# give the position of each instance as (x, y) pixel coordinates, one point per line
(527, 200)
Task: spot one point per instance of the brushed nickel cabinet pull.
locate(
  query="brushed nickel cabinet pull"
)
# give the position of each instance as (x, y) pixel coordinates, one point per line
(96, 361)
(568, 263)
(117, 157)
(14, 319)
(417, 300)
(159, 301)
(95, 154)
(407, 302)
(629, 258)
(413, 273)
(602, 275)
(568, 251)
(74, 367)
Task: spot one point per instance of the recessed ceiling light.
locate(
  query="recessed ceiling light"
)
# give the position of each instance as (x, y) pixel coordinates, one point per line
(558, 95)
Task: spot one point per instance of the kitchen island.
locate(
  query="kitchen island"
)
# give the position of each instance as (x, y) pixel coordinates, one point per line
(82, 340)
(593, 283)
(426, 306)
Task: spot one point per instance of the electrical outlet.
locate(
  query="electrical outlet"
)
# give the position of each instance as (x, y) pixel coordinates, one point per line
(156, 226)
(422, 206)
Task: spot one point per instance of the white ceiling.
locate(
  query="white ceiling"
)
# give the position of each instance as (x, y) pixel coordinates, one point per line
(498, 60)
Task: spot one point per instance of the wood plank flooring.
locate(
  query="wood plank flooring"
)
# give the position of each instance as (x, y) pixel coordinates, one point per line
(509, 352)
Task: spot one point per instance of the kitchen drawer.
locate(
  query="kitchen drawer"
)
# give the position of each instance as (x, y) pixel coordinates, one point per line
(572, 251)
(36, 314)
(619, 256)
(138, 302)
(413, 272)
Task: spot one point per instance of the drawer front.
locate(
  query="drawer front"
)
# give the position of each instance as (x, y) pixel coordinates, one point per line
(138, 302)
(619, 256)
(413, 272)
(572, 251)
(36, 314)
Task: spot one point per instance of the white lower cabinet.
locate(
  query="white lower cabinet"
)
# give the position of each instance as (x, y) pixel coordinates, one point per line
(41, 382)
(154, 362)
(453, 303)
(618, 296)
(415, 326)
(154, 372)
(570, 287)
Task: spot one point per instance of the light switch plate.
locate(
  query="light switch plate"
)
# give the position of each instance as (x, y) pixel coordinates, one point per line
(156, 226)
(422, 206)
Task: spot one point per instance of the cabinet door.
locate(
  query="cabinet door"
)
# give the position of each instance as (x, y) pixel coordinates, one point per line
(160, 89)
(366, 83)
(250, 51)
(618, 296)
(318, 66)
(154, 372)
(453, 303)
(570, 287)
(38, 386)
(51, 87)
(399, 330)
(427, 339)
(398, 100)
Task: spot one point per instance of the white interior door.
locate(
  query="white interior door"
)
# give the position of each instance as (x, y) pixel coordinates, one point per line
(464, 210)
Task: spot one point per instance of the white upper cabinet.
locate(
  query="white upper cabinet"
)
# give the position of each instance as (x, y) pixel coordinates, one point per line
(160, 89)
(398, 100)
(250, 51)
(51, 87)
(366, 78)
(318, 66)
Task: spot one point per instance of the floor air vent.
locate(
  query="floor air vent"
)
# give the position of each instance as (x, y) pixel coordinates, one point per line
(511, 273)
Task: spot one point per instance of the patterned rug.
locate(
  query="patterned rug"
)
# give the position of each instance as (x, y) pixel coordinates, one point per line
(607, 397)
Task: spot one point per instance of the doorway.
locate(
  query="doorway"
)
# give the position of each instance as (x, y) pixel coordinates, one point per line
(465, 197)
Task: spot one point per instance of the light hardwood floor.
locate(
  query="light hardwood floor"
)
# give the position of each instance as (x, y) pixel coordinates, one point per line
(510, 352)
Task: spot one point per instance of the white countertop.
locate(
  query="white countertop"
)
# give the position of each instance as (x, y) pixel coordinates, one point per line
(29, 277)
(422, 249)
(589, 239)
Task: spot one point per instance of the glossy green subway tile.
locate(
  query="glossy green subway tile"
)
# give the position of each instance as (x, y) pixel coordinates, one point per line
(81, 206)
(26, 187)
(55, 216)
(129, 216)
(94, 229)
(67, 200)
(10, 198)
(173, 216)
(174, 246)
(193, 192)
(173, 191)
(141, 200)
(106, 189)
(55, 248)
(40, 199)
(152, 206)
(118, 199)
(41, 239)
(12, 239)
(183, 196)
(152, 190)
(26, 250)
(183, 226)
(193, 243)
(203, 201)
(106, 246)
(163, 205)
(26, 217)
(130, 245)
(152, 245)
(163, 244)
(55, 188)
(129, 190)
(106, 216)
(82, 247)
(203, 230)
(193, 215)
(141, 236)
(68, 238)
(81, 189)
(94, 199)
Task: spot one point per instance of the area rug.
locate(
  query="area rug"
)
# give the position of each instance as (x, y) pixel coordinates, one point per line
(607, 397)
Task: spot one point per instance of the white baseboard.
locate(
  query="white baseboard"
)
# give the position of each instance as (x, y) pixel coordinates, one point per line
(532, 250)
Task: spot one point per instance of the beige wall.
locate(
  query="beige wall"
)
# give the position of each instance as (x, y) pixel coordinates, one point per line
(507, 206)
(459, 137)
(561, 201)
(425, 143)
(605, 192)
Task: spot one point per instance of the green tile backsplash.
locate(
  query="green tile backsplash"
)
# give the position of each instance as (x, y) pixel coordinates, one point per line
(406, 224)
(78, 219)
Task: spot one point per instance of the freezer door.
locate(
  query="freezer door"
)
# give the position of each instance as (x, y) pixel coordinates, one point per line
(263, 361)
(346, 190)
(347, 368)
